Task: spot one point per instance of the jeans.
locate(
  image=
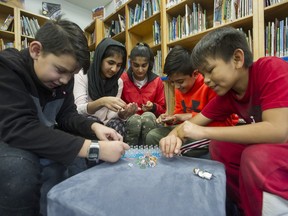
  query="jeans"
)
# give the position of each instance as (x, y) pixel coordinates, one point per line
(25, 181)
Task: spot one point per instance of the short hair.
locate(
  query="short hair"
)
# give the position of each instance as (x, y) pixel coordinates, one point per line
(61, 36)
(178, 61)
(143, 50)
(221, 43)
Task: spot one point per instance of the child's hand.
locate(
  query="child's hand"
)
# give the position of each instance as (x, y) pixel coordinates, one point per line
(148, 106)
(129, 110)
(112, 151)
(164, 118)
(113, 103)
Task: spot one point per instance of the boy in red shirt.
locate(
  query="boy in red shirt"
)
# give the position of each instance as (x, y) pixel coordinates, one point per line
(191, 96)
(255, 155)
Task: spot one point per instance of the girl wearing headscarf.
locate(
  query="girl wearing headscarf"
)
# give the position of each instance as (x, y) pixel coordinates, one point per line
(98, 93)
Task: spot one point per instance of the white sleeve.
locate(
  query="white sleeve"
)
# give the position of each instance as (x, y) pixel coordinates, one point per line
(81, 92)
(120, 88)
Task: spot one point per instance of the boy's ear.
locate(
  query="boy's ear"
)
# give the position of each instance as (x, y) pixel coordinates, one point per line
(35, 49)
(238, 58)
(195, 73)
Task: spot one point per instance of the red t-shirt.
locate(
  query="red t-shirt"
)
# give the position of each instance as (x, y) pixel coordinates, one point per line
(267, 89)
(196, 99)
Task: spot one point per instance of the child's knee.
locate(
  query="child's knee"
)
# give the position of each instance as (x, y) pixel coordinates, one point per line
(20, 177)
(255, 156)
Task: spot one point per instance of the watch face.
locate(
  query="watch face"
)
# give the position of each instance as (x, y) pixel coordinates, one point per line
(93, 153)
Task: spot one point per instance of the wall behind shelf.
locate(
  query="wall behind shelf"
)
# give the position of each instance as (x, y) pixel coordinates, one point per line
(76, 14)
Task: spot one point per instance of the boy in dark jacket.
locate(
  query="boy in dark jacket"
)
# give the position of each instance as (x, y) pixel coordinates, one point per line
(39, 124)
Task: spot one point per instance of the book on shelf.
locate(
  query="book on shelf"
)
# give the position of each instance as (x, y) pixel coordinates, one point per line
(119, 3)
(155, 6)
(5, 45)
(171, 3)
(8, 21)
(276, 37)
(158, 63)
(229, 10)
(217, 19)
(187, 20)
(121, 22)
(131, 16)
(2, 46)
(156, 33)
(98, 13)
(51, 10)
(29, 26)
(193, 21)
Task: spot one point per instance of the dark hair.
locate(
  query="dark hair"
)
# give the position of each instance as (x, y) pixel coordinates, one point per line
(64, 37)
(221, 43)
(112, 50)
(143, 50)
(178, 61)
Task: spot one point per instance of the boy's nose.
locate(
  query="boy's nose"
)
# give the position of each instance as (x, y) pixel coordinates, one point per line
(64, 79)
(207, 80)
(176, 85)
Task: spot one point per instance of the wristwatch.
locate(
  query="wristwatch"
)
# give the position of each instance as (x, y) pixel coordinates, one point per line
(93, 151)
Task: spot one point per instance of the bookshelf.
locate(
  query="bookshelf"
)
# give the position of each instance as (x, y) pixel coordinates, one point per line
(277, 14)
(252, 19)
(8, 36)
(28, 25)
(94, 33)
(15, 34)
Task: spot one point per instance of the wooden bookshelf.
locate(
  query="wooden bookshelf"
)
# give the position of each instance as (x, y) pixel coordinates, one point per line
(254, 21)
(94, 33)
(8, 36)
(33, 23)
(15, 34)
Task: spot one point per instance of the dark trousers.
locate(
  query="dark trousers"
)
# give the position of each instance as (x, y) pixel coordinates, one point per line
(25, 181)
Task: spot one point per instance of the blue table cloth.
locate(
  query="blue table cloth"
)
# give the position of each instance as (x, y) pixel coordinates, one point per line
(123, 188)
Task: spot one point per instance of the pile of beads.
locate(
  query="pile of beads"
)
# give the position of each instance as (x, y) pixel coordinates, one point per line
(146, 161)
(145, 156)
(140, 151)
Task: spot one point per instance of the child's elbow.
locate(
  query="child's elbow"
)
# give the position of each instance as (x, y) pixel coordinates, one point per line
(282, 136)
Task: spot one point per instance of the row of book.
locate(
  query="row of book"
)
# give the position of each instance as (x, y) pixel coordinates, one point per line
(272, 2)
(8, 23)
(248, 38)
(143, 11)
(156, 33)
(171, 3)
(192, 22)
(29, 26)
(90, 37)
(25, 43)
(5, 45)
(276, 38)
(119, 3)
(157, 68)
(229, 10)
(116, 26)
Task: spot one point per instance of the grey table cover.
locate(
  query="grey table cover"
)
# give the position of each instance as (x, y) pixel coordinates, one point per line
(169, 189)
